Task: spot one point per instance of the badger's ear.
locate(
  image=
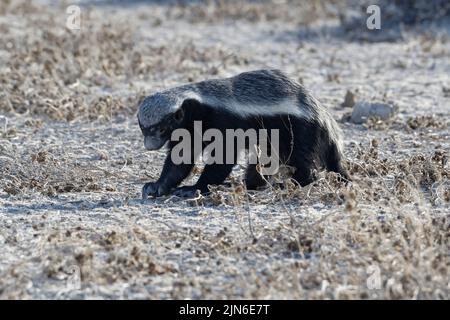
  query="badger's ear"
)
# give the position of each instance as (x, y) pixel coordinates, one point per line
(179, 115)
(187, 107)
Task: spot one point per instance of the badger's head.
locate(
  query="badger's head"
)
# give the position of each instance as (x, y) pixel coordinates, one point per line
(158, 116)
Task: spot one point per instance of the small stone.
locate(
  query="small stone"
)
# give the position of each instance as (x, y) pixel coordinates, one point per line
(363, 110)
(349, 100)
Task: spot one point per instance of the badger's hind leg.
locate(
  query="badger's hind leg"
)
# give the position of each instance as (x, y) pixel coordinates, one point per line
(253, 179)
(302, 159)
(304, 171)
(333, 162)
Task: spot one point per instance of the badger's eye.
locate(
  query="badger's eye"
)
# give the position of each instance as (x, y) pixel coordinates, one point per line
(162, 130)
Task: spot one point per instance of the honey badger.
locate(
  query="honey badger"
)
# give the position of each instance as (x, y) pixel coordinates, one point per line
(309, 137)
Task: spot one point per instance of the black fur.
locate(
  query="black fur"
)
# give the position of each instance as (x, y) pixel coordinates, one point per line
(304, 145)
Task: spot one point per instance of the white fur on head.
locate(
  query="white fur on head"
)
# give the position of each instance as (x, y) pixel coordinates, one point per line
(155, 107)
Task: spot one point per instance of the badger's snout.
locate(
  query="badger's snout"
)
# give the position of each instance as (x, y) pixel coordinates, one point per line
(153, 142)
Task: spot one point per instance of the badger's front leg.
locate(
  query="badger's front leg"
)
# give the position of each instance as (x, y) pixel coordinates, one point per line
(213, 174)
(171, 176)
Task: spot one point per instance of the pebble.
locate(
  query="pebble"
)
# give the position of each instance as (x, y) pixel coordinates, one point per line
(363, 110)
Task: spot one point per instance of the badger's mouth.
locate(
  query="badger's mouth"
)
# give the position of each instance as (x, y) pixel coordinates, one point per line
(153, 143)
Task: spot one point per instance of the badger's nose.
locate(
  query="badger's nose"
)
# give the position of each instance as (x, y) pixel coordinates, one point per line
(152, 143)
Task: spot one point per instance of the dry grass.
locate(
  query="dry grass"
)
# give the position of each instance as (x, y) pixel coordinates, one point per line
(71, 162)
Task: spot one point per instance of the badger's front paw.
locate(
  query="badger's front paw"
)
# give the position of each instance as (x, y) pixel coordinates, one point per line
(187, 192)
(154, 189)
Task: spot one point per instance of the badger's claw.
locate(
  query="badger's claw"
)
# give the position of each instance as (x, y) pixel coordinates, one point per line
(154, 189)
(150, 188)
(187, 192)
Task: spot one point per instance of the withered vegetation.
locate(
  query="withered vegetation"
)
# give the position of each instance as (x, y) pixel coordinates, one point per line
(72, 224)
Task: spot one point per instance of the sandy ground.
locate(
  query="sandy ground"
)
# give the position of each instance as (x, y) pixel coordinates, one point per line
(72, 161)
